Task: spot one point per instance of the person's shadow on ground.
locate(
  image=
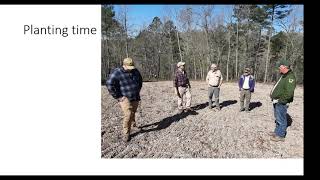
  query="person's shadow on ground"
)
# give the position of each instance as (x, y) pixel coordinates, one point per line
(166, 122)
(253, 105)
(227, 103)
(289, 120)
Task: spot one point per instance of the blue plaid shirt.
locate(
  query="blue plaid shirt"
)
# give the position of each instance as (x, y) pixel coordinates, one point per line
(124, 83)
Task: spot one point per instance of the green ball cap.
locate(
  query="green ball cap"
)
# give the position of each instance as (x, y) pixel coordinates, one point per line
(282, 62)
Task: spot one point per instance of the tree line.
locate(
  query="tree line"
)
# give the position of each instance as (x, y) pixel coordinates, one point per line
(244, 37)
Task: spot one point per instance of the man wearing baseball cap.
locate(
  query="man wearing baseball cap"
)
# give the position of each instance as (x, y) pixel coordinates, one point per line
(182, 87)
(281, 95)
(124, 84)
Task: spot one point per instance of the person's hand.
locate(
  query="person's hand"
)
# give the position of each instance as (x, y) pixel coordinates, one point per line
(176, 92)
(275, 101)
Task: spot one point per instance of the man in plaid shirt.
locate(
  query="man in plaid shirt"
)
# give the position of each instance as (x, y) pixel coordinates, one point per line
(182, 87)
(124, 84)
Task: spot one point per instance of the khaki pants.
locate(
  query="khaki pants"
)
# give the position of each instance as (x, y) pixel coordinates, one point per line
(129, 109)
(245, 94)
(185, 94)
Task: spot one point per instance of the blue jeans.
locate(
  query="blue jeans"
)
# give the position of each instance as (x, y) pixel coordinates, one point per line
(280, 113)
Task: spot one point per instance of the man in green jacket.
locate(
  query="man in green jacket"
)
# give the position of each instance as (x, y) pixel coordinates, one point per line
(281, 95)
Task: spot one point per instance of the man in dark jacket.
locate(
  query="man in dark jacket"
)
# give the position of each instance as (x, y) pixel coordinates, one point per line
(281, 95)
(246, 87)
(124, 84)
(182, 88)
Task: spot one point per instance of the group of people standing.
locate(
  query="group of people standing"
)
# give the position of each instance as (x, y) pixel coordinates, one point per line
(125, 84)
(214, 80)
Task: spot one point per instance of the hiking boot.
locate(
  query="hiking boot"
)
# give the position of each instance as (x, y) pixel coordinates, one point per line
(277, 138)
(271, 133)
(126, 138)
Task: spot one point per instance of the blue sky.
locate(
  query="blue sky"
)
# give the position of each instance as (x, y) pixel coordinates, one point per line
(139, 15)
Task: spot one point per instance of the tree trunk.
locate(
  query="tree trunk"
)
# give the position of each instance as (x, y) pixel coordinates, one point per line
(172, 62)
(126, 30)
(158, 74)
(267, 60)
(219, 54)
(201, 68)
(229, 46)
(256, 56)
(179, 46)
(108, 58)
(194, 67)
(237, 49)
(268, 51)
(208, 46)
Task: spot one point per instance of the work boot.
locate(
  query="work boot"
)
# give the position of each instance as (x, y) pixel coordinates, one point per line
(271, 133)
(277, 138)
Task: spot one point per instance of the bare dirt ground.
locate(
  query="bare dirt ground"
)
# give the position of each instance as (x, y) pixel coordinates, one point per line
(203, 133)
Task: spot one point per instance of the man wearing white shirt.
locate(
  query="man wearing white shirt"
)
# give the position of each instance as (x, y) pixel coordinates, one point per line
(246, 87)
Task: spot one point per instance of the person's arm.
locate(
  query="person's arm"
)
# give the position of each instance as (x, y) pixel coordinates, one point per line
(113, 86)
(140, 80)
(188, 82)
(207, 78)
(175, 86)
(240, 83)
(253, 84)
(221, 79)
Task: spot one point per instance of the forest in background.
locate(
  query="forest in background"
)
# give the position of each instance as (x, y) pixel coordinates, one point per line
(197, 35)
